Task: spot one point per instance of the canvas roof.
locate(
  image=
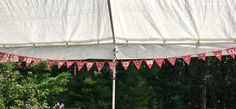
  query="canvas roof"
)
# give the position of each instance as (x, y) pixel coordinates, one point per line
(81, 29)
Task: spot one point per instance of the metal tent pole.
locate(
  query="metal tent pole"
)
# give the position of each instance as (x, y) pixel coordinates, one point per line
(113, 91)
(114, 83)
(114, 58)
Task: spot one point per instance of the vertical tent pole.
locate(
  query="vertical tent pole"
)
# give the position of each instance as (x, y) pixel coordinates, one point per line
(113, 91)
(114, 58)
(114, 84)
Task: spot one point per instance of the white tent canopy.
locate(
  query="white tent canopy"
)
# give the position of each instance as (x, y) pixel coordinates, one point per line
(81, 29)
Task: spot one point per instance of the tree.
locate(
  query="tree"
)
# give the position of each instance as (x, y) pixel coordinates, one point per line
(90, 91)
(18, 89)
(132, 90)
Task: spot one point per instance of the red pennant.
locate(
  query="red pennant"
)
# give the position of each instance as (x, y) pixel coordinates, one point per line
(69, 63)
(159, 61)
(60, 63)
(99, 65)
(138, 63)
(231, 51)
(125, 64)
(80, 65)
(112, 66)
(172, 60)
(1, 56)
(202, 56)
(218, 54)
(187, 59)
(149, 63)
(28, 61)
(89, 65)
(9, 58)
(36, 61)
(21, 59)
(49, 63)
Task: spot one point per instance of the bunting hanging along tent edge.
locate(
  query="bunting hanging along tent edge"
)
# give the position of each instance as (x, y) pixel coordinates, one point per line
(149, 62)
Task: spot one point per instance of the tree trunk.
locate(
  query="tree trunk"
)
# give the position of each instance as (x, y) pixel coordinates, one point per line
(75, 69)
(204, 88)
(204, 97)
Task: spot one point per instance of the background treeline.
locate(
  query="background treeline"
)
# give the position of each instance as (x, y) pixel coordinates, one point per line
(209, 84)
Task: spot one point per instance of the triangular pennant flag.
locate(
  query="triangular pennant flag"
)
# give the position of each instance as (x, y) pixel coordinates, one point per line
(36, 61)
(89, 65)
(49, 63)
(159, 61)
(60, 63)
(28, 61)
(9, 58)
(99, 65)
(231, 51)
(138, 63)
(21, 59)
(1, 56)
(112, 66)
(80, 65)
(69, 63)
(218, 54)
(149, 63)
(172, 60)
(125, 64)
(202, 56)
(187, 59)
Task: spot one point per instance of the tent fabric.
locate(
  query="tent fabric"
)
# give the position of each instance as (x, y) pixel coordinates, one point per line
(81, 29)
(53, 21)
(125, 52)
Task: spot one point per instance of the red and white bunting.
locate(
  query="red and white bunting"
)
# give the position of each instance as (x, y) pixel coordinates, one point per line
(138, 63)
(112, 66)
(218, 54)
(28, 61)
(149, 63)
(100, 65)
(89, 65)
(231, 51)
(9, 58)
(125, 64)
(49, 63)
(202, 56)
(69, 63)
(1, 56)
(187, 59)
(172, 60)
(80, 65)
(60, 63)
(21, 59)
(159, 61)
(36, 61)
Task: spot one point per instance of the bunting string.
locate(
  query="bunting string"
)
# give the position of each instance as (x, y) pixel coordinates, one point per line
(6, 57)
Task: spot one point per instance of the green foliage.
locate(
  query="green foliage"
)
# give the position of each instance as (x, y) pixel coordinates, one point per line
(170, 87)
(18, 89)
(53, 87)
(132, 89)
(89, 91)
